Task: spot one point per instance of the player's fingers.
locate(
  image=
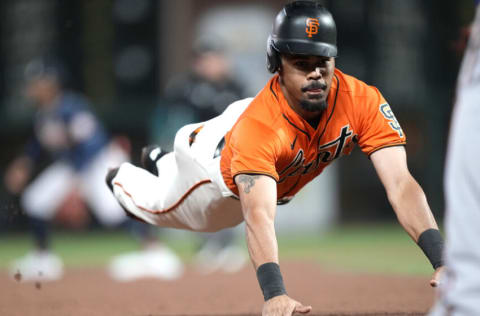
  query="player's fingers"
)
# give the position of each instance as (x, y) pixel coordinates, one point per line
(302, 309)
(437, 276)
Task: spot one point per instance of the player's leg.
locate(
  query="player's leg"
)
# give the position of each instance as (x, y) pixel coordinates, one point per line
(459, 293)
(182, 196)
(189, 192)
(40, 200)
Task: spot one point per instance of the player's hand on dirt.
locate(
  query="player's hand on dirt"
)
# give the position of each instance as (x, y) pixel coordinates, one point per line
(283, 305)
(435, 281)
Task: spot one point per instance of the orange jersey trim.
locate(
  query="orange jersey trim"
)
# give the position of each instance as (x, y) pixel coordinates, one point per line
(175, 205)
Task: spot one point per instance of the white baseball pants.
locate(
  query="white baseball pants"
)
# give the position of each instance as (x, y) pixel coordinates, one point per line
(189, 192)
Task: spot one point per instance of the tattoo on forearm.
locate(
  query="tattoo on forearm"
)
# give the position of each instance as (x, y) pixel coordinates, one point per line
(249, 181)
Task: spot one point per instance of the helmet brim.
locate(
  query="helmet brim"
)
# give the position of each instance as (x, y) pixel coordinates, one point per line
(304, 47)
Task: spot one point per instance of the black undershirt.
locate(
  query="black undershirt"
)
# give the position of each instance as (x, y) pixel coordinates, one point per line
(314, 121)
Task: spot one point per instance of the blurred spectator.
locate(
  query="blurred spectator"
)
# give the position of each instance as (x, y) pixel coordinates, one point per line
(67, 131)
(198, 95)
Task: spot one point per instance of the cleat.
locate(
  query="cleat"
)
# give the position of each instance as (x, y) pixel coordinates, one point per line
(150, 156)
(109, 177)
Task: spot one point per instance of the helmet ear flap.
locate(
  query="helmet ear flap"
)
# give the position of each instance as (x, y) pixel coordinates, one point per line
(273, 57)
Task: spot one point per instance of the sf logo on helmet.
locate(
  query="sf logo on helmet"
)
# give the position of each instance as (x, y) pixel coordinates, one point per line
(312, 26)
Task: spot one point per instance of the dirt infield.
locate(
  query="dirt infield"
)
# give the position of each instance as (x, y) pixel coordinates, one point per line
(92, 292)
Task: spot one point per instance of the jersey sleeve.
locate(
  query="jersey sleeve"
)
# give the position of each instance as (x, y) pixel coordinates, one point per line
(254, 149)
(379, 126)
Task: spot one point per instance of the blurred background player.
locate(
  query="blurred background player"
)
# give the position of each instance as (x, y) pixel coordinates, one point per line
(67, 131)
(198, 95)
(459, 293)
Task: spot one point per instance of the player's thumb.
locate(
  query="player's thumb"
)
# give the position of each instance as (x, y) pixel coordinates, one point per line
(302, 309)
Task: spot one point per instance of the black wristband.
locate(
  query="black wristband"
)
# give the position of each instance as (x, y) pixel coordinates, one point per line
(431, 242)
(270, 280)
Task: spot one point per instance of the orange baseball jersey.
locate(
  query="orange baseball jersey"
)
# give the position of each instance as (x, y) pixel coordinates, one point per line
(270, 138)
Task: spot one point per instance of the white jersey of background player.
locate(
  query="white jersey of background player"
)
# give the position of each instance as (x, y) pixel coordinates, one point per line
(459, 293)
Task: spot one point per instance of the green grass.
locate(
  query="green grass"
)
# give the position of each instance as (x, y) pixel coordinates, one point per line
(369, 248)
(361, 248)
(83, 249)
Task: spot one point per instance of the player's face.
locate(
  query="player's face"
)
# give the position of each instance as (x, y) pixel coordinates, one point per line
(41, 91)
(307, 80)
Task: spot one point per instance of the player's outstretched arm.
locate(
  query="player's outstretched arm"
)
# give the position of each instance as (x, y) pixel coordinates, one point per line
(410, 204)
(258, 194)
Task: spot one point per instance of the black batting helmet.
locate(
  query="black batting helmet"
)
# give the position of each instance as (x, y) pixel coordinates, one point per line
(302, 27)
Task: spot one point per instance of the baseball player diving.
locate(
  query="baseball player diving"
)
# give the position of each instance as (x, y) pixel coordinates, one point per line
(260, 152)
